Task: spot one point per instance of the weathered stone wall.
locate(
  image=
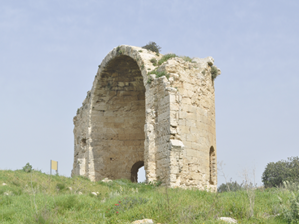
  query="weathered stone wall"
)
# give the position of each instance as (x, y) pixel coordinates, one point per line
(130, 119)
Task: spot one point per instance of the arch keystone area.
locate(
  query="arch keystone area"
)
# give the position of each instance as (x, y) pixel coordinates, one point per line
(132, 117)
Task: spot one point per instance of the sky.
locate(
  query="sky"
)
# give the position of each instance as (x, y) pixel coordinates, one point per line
(51, 49)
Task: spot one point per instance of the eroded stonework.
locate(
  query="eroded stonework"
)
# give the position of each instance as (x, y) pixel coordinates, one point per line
(131, 118)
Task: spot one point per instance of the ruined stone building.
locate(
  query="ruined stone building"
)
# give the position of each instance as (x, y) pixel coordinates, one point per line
(140, 112)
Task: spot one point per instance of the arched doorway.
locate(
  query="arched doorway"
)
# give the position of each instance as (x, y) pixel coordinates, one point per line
(134, 170)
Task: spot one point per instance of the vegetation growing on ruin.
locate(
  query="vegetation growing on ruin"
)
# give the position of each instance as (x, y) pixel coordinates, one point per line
(119, 51)
(154, 61)
(152, 46)
(166, 57)
(36, 197)
(158, 75)
(149, 80)
(214, 72)
(187, 59)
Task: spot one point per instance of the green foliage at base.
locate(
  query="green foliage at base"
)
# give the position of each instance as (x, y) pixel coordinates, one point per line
(39, 198)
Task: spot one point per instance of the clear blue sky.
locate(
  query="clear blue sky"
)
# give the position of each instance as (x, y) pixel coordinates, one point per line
(50, 51)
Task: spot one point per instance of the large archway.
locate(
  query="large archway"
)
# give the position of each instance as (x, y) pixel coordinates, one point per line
(118, 118)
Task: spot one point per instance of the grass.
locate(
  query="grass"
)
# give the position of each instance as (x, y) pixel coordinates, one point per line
(166, 57)
(36, 197)
(187, 59)
(158, 75)
(154, 61)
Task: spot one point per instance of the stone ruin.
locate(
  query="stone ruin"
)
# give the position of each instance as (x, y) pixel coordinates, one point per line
(164, 121)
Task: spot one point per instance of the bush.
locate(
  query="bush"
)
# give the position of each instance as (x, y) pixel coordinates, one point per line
(187, 59)
(60, 186)
(159, 74)
(154, 61)
(152, 46)
(68, 202)
(230, 186)
(27, 168)
(290, 210)
(276, 173)
(166, 57)
(214, 72)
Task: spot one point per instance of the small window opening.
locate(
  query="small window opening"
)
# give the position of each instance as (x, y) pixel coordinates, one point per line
(83, 142)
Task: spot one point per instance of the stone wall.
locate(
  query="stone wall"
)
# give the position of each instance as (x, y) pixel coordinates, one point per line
(131, 118)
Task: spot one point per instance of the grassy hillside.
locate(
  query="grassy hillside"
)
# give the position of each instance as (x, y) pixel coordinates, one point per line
(36, 197)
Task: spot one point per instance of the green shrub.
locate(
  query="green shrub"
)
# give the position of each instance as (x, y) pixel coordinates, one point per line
(119, 51)
(154, 61)
(27, 168)
(60, 186)
(290, 210)
(214, 72)
(152, 46)
(276, 173)
(149, 80)
(166, 57)
(68, 202)
(186, 58)
(163, 73)
(230, 186)
(159, 74)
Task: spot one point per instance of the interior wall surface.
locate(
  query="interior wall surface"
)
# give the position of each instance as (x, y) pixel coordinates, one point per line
(117, 118)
